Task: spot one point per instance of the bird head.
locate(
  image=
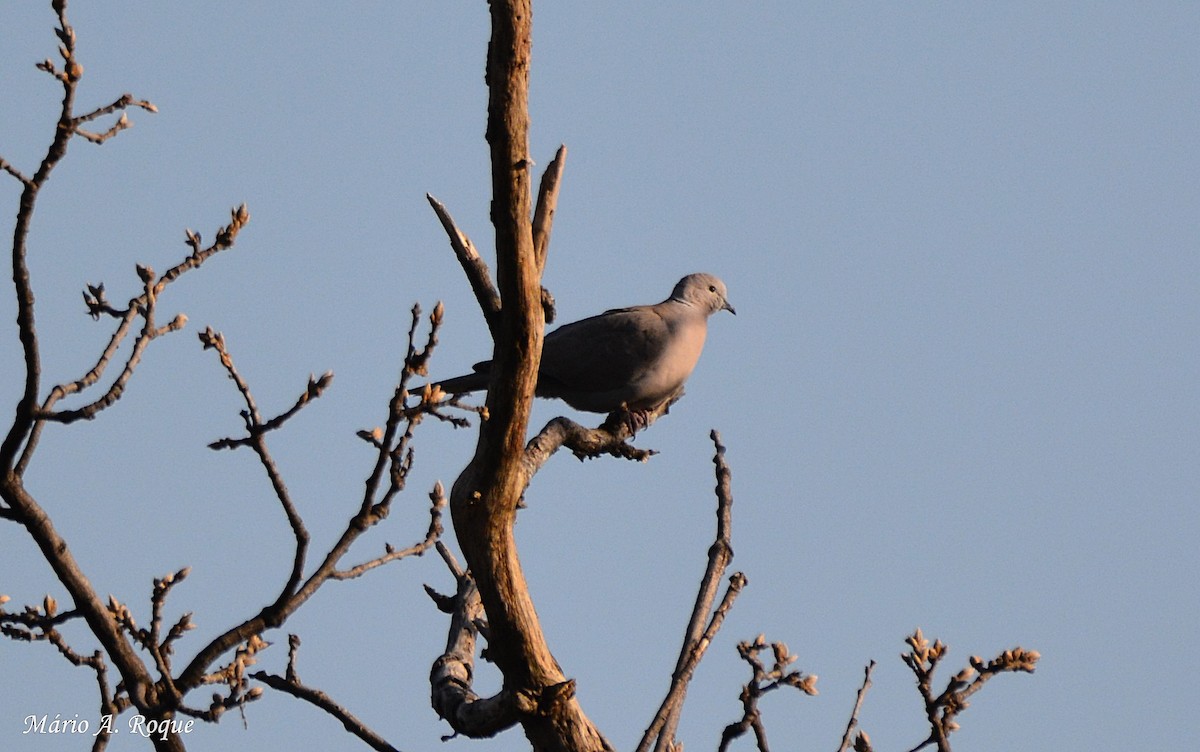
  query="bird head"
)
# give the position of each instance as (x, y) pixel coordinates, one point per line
(703, 290)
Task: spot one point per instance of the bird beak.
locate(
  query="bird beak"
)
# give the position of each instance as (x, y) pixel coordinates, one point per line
(729, 308)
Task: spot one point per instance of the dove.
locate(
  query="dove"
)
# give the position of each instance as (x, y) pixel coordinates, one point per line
(625, 358)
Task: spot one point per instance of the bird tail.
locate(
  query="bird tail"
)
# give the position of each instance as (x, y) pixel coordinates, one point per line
(471, 382)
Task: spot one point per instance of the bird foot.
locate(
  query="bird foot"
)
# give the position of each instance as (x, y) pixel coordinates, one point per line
(631, 420)
(636, 420)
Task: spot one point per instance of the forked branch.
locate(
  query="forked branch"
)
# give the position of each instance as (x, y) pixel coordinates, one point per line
(705, 621)
(453, 674)
(291, 684)
(393, 463)
(762, 681)
(68, 126)
(941, 708)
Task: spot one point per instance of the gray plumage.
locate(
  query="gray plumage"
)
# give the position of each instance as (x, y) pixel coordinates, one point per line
(628, 357)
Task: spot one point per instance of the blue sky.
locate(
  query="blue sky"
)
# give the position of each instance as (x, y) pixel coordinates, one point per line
(960, 393)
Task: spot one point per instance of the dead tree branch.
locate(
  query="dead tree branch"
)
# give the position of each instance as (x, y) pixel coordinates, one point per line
(485, 497)
(611, 437)
(547, 205)
(473, 266)
(453, 674)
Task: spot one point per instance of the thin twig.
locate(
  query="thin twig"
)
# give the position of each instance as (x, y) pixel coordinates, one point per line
(256, 427)
(432, 536)
(291, 684)
(941, 709)
(720, 554)
(762, 681)
(316, 386)
(148, 332)
(390, 449)
(392, 457)
(682, 678)
(161, 647)
(853, 722)
(7, 167)
(124, 101)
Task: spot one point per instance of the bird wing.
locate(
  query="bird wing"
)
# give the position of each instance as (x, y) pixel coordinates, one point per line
(603, 353)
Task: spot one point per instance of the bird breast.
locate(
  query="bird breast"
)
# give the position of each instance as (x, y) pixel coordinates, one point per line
(668, 372)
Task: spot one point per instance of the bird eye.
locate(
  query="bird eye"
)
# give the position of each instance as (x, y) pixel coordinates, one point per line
(712, 288)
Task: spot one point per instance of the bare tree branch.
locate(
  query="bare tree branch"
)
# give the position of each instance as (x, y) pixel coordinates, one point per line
(473, 266)
(142, 305)
(7, 167)
(27, 421)
(20, 505)
(547, 205)
(125, 101)
(36, 624)
(611, 438)
(680, 680)
(432, 536)
(292, 685)
(942, 708)
(160, 647)
(720, 554)
(255, 429)
(853, 722)
(66, 128)
(453, 673)
(390, 451)
(485, 497)
(393, 458)
(761, 682)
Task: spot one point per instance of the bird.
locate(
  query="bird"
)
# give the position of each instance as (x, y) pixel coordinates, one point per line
(626, 358)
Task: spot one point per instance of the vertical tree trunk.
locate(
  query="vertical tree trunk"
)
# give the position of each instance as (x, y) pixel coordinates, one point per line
(485, 496)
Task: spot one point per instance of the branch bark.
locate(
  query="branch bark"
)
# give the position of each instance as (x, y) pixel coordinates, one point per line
(704, 622)
(473, 266)
(453, 673)
(291, 684)
(852, 724)
(20, 504)
(393, 460)
(484, 498)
